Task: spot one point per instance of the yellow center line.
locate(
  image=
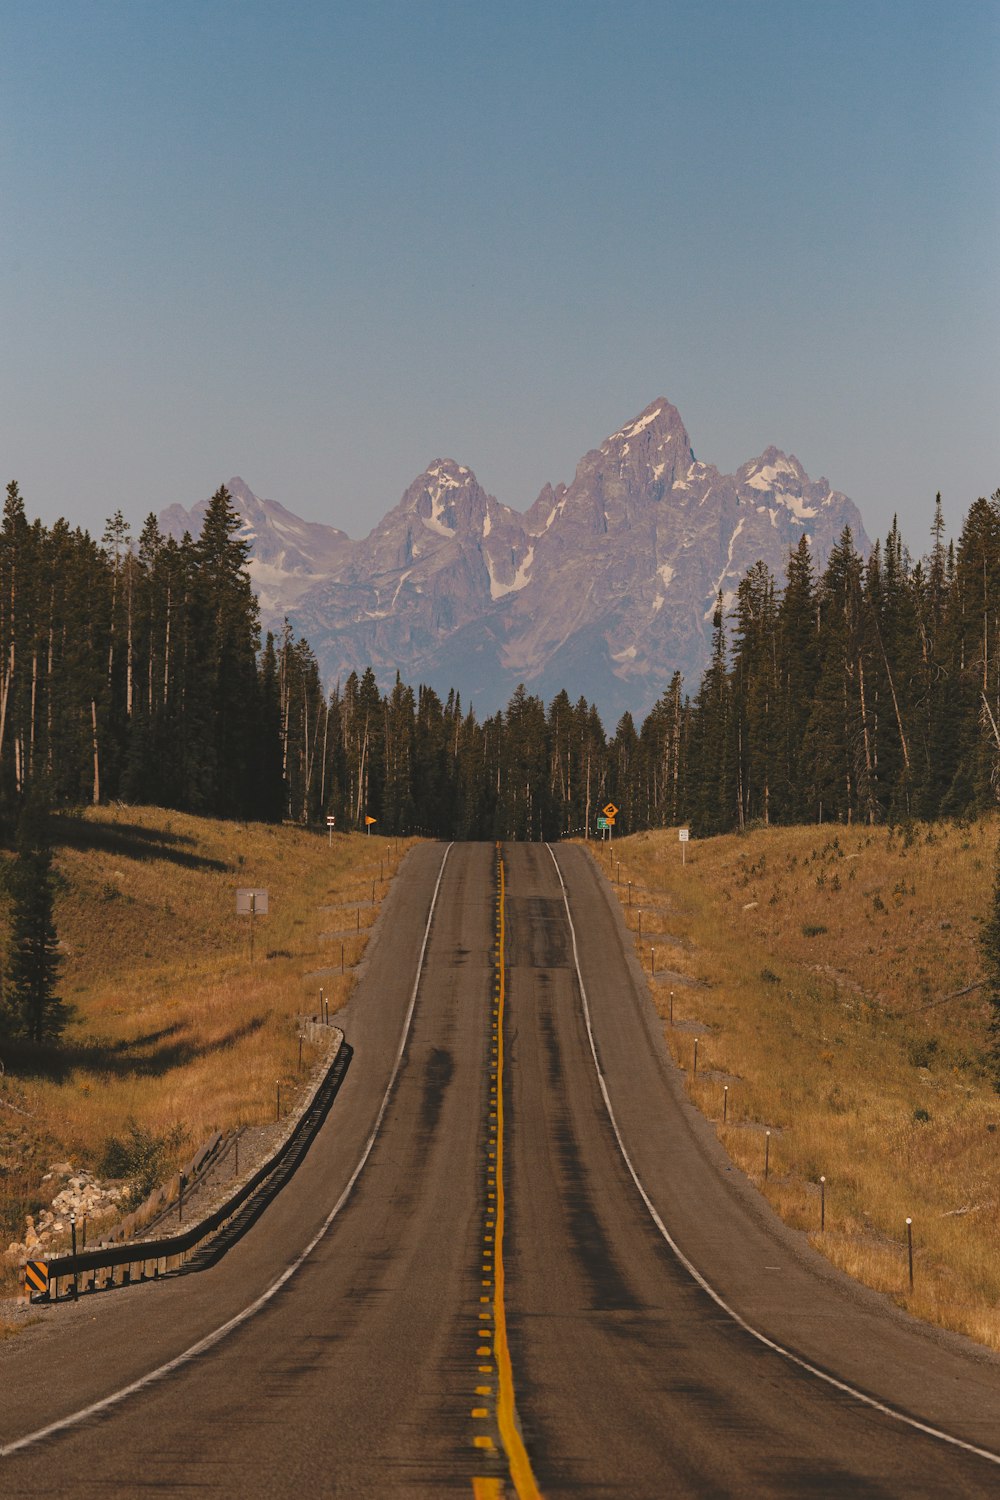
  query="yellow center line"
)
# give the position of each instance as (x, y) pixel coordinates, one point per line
(517, 1456)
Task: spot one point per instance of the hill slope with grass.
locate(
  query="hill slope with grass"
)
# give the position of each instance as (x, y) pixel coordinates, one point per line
(831, 976)
(174, 1032)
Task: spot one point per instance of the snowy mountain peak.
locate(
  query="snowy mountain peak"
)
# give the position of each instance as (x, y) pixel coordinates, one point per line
(447, 498)
(777, 482)
(772, 471)
(651, 431)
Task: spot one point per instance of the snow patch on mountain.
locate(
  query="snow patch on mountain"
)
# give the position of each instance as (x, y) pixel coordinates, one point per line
(727, 598)
(633, 429)
(764, 477)
(521, 578)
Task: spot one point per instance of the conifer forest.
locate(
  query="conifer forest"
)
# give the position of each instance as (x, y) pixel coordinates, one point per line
(133, 669)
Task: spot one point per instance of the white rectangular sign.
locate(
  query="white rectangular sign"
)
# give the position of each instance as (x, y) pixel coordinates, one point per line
(251, 899)
(684, 834)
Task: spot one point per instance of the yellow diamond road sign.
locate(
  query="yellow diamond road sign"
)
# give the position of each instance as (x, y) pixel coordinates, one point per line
(610, 811)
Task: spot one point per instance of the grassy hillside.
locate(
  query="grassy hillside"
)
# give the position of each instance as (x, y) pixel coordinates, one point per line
(174, 1028)
(820, 969)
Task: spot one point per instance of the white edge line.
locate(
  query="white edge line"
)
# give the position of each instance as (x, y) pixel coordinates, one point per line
(692, 1270)
(218, 1334)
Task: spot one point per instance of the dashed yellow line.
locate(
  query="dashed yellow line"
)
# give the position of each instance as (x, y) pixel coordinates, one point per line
(518, 1462)
(517, 1456)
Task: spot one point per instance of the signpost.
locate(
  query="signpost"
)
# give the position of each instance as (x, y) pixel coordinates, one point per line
(251, 901)
(331, 823)
(369, 820)
(684, 835)
(610, 813)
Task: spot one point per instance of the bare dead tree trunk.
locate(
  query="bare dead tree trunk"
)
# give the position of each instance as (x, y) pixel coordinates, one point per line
(895, 700)
(322, 773)
(34, 705)
(166, 646)
(129, 647)
(97, 758)
(48, 687)
(586, 818)
(869, 797)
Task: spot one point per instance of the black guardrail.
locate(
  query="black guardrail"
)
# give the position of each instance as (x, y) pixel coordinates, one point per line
(116, 1265)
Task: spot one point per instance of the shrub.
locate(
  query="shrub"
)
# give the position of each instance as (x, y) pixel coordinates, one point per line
(141, 1158)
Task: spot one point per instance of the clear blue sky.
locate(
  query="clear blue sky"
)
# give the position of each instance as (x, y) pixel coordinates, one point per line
(320, 244)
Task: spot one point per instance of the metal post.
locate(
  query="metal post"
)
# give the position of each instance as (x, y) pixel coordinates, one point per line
(640, 924)
(694, 1071)
(630, 893)
(767, 1153)
(671, 1007)
(725, 1102)
(909, 1248)
(652, 960)
(300, 1054)
(253, 908)
(72, 1230)
(822, 1203)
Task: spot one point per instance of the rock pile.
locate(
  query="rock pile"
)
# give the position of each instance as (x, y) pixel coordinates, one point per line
(81, 1194)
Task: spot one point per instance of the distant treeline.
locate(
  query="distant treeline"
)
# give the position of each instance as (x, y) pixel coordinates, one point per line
(135, 671)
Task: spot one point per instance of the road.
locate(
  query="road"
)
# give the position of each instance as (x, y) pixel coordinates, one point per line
(497, 1210)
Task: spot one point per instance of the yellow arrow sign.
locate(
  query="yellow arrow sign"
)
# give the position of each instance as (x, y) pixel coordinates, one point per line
(369, 820)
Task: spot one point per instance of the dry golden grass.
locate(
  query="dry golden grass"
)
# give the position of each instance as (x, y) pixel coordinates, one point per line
(173, 1025)
(821, 959)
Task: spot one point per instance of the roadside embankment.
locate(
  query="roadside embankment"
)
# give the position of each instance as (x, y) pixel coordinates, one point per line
(177, 1031)
(819, 988)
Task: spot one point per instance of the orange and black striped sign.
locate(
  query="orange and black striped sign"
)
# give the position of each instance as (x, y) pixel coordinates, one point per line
(36, 1276)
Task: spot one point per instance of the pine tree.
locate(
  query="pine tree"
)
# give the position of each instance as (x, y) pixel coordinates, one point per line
(223, 687)
(798, 667)
(755, 694)
(34, 961)
(712, 786)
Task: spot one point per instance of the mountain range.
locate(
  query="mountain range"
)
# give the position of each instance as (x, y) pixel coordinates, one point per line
(604, 587)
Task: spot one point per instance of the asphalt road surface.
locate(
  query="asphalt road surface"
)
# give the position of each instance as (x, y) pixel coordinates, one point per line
(497, 1307)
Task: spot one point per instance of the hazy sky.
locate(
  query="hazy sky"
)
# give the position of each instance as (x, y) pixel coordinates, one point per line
(319, 244)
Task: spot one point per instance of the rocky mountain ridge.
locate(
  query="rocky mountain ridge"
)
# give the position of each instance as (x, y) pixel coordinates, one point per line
(604, 586)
